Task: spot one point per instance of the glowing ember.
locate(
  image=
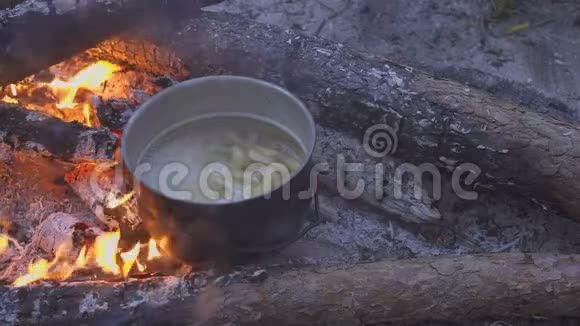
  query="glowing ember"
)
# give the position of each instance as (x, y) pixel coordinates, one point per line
(153, 250)
(59, 268)
(140, 267)
(113, 202)
(8, 99)
(82, 258)
(89, 78)
(66, 90)
(106, 247)
(87, 114)
(59, 97)
(163, 244)
(129, 259)
(3, 243)
(13, 90)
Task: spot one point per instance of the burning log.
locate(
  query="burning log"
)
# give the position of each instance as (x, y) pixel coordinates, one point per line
(29, 46)
(61, 231)
(61, 236)
(458, 289)
(114, 114)
(519, 151)
(101, 187)
(29, 131)
(72, 250)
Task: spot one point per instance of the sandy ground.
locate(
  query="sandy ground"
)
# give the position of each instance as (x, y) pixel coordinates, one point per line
(462, 40)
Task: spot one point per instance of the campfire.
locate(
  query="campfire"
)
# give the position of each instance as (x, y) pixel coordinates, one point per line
(73, 90)
(94, 93)
(73, 248)
(104, 254)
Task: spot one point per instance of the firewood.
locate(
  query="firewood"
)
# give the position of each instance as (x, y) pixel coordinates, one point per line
(29, 131)
(102, 188)
(64, 232)
(36, 34)
(458, 289)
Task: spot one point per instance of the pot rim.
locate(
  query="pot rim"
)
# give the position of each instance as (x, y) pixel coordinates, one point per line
(195, 81)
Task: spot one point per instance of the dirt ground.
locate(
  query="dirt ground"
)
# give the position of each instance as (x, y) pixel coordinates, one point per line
(528, 54)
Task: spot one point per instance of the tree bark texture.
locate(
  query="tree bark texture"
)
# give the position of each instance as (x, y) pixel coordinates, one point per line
(402, 292)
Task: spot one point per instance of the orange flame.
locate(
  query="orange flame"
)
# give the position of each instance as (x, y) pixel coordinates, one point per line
(87, 114)
(13, 90)
(3, 243)
(65, 91)
(8, 99)
(113, 202)
(89, 78)
(163, 244)
(129, 259)
(103, 254)
(82, 258)
(153, 250)
(106, 247)
(140, 267)
(36, 272)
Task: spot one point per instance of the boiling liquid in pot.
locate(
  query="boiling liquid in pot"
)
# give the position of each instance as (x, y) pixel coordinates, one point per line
(222, 158)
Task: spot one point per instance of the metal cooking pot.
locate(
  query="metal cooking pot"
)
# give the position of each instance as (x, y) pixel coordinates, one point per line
(208, 231)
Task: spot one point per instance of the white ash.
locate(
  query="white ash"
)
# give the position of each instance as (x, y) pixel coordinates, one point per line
(54, 232)
(503, 151)
(35, 116)
(63, 6)
(90, 304)
(489, 224)
(172, 288)
(25, 7)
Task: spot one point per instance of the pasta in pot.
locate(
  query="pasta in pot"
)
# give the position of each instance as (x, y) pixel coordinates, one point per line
(228, 158)
(257, 165)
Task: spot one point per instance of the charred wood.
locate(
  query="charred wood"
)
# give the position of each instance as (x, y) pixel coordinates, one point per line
(29, 131)
(35, 34)
(114, 114)
(64, 232)
(102, 188)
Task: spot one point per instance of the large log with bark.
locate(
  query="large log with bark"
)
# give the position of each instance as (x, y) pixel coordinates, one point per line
(458, 289)
(35, 34)
(518, 151)
(29, 131)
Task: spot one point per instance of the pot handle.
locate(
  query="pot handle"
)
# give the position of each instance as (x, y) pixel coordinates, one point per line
(276, 247)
